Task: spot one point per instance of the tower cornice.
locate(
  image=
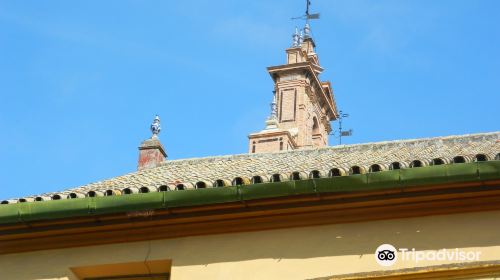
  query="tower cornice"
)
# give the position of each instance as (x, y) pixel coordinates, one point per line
(285, 67)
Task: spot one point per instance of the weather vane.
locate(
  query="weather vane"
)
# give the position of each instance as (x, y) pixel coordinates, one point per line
(308, 16)
(305, 33)
(341, 132)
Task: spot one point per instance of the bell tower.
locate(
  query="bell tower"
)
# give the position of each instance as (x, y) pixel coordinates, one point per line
(303, 105)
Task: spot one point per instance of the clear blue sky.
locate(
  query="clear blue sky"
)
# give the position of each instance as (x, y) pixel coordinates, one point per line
(80, 81)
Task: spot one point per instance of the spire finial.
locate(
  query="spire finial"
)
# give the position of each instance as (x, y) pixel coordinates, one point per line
(155, 127)
(295, 37)
(301, 38)
(274, 108)
(272, 121)
(307, 30)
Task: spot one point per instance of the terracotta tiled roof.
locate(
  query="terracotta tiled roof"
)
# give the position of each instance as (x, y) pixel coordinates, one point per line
(223, 170)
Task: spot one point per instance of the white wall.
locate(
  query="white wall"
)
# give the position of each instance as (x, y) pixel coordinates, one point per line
(298, 253)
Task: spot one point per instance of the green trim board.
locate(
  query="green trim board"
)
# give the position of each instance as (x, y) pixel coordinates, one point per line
(393, 179)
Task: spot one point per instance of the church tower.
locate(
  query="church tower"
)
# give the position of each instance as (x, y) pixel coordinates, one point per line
(303, 106)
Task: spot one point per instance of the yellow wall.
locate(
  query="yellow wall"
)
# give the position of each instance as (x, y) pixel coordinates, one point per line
(298, 253)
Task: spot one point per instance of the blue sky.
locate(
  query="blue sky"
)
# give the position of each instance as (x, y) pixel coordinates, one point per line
(82, 80)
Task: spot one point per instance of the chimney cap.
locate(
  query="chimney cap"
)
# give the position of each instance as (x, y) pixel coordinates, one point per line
(151, 151)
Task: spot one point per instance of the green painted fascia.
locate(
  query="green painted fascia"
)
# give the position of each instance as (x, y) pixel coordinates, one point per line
(267, 190)
(488, 170)
(53, 209)
(127, 203)
(200, 197)
(341, 183)
(403, 178)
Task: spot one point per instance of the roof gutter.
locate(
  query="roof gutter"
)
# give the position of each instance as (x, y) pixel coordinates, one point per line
(395, 179)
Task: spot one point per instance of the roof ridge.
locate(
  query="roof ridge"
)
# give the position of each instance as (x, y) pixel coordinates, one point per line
(402, 141)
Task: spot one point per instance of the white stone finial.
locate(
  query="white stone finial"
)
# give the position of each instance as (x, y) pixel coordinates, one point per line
(155, 126)
(274, 108)
(295, 38)
(272, 121)
(301, 38)
(307, 30)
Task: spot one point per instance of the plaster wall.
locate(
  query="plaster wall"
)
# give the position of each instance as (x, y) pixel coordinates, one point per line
(296, 253)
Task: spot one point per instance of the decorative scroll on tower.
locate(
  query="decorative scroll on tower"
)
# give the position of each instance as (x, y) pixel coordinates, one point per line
(304, 105)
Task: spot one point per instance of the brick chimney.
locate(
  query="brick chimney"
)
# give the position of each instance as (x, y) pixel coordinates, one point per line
(151, 151)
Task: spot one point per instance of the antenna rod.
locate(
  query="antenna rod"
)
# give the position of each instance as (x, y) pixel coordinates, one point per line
(340, 128)
(308, 2)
